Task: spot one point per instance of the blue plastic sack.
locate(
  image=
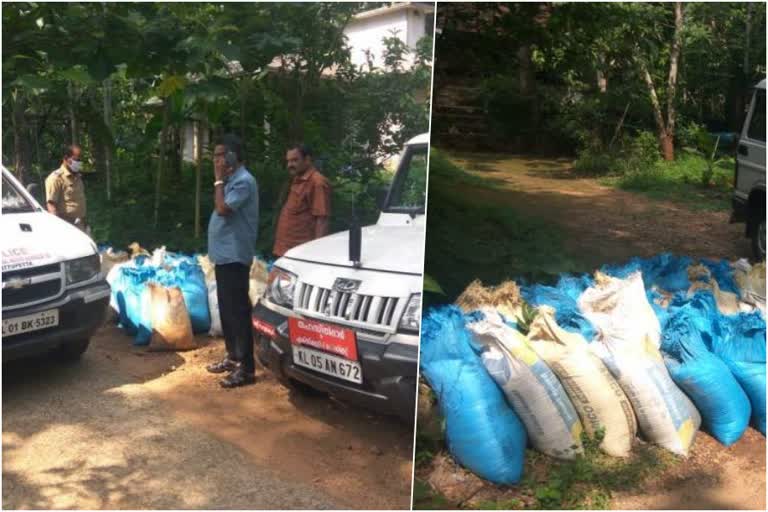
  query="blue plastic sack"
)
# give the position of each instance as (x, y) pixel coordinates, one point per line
(722, 272)
(742, 347)
(134, 302)
(483, 433)
(725, 408)
(563, 298)
(738, 340)
(666, 271)
(751, 376)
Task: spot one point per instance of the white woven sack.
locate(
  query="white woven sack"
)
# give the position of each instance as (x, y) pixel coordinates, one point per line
(531, 388)
(594, 393)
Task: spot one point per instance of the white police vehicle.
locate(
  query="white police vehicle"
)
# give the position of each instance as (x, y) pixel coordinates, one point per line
(53, 297)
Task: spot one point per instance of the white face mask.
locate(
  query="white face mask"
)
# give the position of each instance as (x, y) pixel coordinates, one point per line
(75, 166)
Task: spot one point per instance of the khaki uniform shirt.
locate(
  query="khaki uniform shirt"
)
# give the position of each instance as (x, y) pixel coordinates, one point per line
(308, 198)
(65, 189)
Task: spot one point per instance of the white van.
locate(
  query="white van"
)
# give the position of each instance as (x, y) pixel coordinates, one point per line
(54, 296)
(342, 314)
(749, 181)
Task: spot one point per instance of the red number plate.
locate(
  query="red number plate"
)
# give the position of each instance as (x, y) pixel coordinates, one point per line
(329, 338)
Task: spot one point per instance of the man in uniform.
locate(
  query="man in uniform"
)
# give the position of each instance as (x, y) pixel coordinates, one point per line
(307, 208)
(64, 189)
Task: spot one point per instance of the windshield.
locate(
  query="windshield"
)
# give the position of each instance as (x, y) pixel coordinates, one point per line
(409, 189)
(13, 201)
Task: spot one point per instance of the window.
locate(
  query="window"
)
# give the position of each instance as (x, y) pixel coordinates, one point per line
(756, 130)
(429, 24)
(410, 185)
(13, 201)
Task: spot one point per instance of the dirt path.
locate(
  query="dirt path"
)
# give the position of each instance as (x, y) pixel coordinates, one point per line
(129, 429)
(604, 224)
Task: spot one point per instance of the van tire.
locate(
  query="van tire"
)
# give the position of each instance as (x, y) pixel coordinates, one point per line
(758, 239)
(73, 350)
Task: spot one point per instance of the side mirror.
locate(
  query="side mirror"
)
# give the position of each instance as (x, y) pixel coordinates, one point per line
(32, 188)
(381, 197)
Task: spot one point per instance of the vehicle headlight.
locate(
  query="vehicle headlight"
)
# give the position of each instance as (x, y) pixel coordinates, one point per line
(411, 320)
(82, 269)
(280, 286)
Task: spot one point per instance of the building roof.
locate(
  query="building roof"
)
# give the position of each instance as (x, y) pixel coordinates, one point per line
(425, 7)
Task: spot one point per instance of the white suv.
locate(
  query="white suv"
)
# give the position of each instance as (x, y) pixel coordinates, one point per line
(54, 295)
(342, 314)
(749, 182)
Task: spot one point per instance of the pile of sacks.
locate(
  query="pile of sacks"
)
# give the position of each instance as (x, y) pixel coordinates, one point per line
(658, 348)
(163, 299)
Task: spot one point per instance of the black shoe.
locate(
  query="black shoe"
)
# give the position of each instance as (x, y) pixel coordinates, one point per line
(238, 378)
(225, 365)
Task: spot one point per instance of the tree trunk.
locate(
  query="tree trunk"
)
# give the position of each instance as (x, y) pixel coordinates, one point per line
(21, 165)
(747, 35)
(198, 137)
(108, 124)
(666, 128)
(658, 116)
(667, 147)
(527, 80)
(602, 81)
(160, 162)
(243, 92)
(74, 127)
(95, 132)
(674, 57)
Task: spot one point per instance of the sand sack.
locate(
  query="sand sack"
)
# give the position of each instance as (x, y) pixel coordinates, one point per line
(171, 325)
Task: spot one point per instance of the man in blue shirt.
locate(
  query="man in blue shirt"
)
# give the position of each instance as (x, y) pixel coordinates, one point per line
(232, 235)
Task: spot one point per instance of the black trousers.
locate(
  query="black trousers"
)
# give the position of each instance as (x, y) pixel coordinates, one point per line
(235, 311)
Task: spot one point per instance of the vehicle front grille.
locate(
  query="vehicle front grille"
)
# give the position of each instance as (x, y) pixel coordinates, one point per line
(372, 311)
(32, 272)
(48, 286)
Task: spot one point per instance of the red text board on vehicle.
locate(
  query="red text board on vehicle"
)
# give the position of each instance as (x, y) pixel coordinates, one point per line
(322, 336)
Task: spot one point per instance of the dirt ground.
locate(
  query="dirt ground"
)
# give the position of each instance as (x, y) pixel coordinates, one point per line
(130, 429)
(605, 225)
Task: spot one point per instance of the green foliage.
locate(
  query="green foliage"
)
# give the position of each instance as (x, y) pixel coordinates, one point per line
(570, 45)
(680, 181)
(631, 155)
(587, 482)
(704, 145)
(426, 498)
(176, 59)
(526, 318)
(431, 285)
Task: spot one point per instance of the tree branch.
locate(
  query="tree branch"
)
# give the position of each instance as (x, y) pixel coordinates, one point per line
(657, 114)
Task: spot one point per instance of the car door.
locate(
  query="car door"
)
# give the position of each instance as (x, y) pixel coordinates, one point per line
(751, 150)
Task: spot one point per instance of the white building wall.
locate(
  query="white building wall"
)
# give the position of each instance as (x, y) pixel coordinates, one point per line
(369, 33)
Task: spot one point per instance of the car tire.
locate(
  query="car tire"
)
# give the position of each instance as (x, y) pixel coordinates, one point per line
(758, 240)
(73, 350)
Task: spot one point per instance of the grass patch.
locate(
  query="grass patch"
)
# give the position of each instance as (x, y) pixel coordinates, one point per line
(588, 482)
(680, 181)
(426, 498)
(472, 233)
